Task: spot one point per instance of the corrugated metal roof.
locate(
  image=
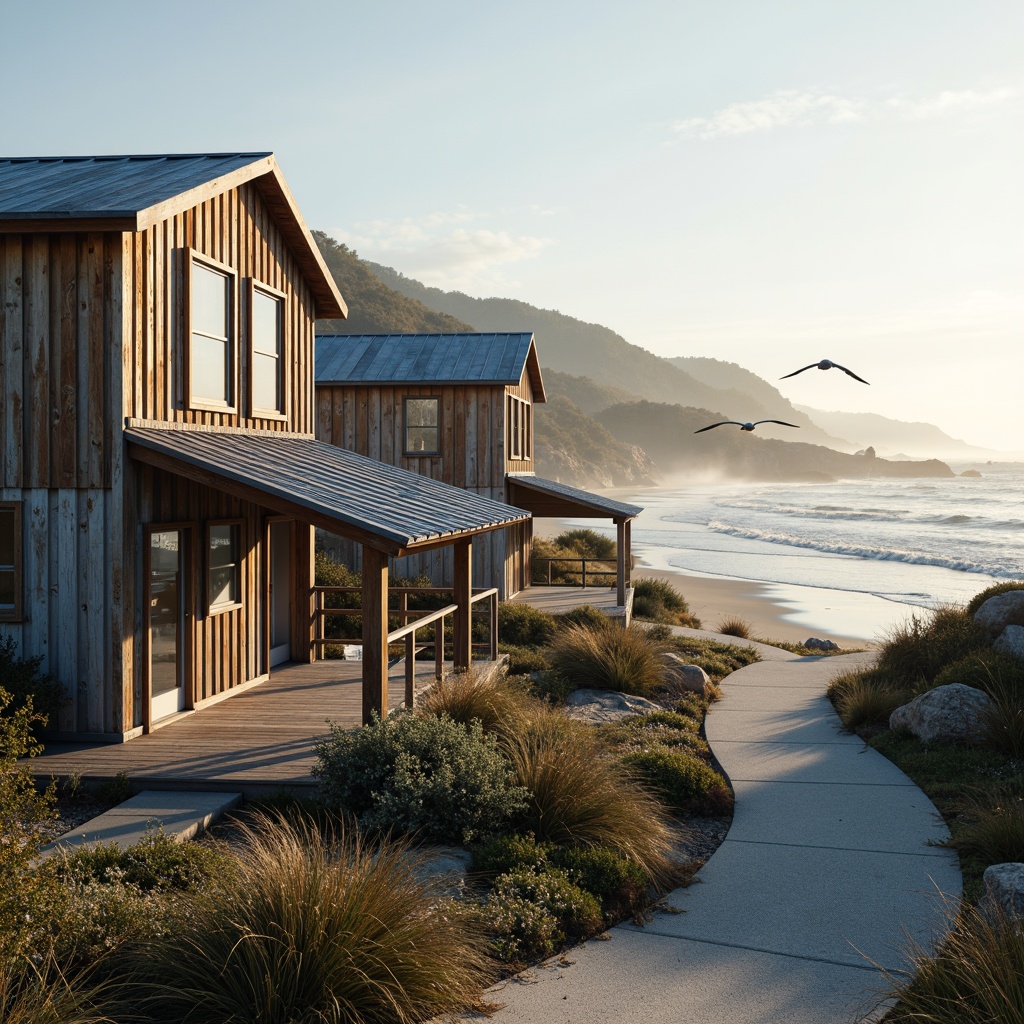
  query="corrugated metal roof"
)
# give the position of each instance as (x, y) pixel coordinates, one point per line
(389, 508)
(585, 499)
(427, 359)
(129, 193)
(106, 186)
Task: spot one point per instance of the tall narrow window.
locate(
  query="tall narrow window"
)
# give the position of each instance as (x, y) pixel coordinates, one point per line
(422, 426)
(518, 429)
(212, 359)
(224, 566)
(266, 365)
(10, 561)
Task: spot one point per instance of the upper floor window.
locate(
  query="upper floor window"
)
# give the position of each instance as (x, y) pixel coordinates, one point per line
(519, 427)
(212, 357)
(224, 566)
(10, 561)
(266, 363)
(422, 426)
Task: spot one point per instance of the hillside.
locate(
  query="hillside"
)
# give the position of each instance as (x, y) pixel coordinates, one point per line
(888, 436)
(666, 433)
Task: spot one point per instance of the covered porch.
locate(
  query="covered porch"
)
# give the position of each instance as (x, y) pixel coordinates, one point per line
(551, 499)
(390, 512)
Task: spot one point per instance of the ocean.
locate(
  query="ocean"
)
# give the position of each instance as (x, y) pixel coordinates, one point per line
(877, 548)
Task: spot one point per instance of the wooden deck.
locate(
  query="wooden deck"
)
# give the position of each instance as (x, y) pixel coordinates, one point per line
(256, 743)
(558, 600)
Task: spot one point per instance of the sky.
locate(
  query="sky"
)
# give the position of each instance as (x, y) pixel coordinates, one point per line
(768, 182)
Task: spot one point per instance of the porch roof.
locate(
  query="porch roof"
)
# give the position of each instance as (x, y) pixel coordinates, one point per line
(384, 507)
(550, 498)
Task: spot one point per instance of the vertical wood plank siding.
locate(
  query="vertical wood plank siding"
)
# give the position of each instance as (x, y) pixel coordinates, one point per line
(91, 333)
(368, 419)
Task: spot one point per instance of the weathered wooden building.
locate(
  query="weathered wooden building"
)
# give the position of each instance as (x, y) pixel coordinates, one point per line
(159, 475)
(456, 408)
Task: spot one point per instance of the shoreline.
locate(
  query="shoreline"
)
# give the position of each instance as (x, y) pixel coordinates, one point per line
(776, 611)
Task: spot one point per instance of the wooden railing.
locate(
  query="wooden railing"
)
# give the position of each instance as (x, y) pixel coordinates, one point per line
(411, 620)
(609, 575)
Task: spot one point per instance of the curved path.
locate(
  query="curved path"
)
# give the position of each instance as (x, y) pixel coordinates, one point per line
(826, 870)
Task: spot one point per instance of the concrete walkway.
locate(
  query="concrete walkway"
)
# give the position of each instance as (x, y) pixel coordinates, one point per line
(826, 870)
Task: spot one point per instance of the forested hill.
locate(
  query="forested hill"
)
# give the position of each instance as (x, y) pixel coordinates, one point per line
(373, 307)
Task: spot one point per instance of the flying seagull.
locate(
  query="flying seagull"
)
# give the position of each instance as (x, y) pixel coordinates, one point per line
(745, 426)
(825, 364)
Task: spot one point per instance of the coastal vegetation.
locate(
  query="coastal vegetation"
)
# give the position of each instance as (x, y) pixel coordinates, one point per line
(978, 789)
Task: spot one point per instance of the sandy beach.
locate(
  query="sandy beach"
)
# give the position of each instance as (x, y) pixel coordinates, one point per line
(774, 610)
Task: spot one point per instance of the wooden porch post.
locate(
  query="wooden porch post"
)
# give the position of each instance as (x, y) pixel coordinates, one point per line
(463, 596)
(629, 552)
(375, 633)
(622, 554)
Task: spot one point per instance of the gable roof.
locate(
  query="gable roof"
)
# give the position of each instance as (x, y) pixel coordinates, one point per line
(383, 506)
(428, 359)
(130, 193)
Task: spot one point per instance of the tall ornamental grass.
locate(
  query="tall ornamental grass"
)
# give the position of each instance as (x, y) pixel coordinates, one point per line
(627, 660)
(580, 796)
(313, 930)
(485, 695)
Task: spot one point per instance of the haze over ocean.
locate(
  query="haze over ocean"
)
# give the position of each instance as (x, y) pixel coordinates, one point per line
(877, 548)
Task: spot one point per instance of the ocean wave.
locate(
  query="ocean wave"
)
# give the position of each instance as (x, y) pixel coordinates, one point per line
(828, 512)
(834, 546)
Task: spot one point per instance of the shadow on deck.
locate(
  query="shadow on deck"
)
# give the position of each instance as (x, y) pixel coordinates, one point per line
(256, 743)
(557, 600)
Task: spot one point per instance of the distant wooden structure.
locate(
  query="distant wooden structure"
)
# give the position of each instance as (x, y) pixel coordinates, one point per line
(159, 475)
(457, 408)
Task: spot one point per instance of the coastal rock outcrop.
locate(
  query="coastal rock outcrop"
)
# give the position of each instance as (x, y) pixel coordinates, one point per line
(948, 714)
(1000, 611)
(1004, 891)
(680, 676)
(1010, 641)
(596, 706)
(813, 643)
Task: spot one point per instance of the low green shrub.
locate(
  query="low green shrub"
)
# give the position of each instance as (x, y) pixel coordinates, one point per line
(662, 728)
(22, 679)
(618, 884)
(522, 625)
(523, 661)
(585, 543)
(716, 658)
(658, 601)
(580, 796)
(997, 588)
(551, 687)
(511, 852)
(585, 615)
(991, 825)
(627, 660)
(533, 913)
(443, 780)
(313, 928)
(684, 781)
(986, 670)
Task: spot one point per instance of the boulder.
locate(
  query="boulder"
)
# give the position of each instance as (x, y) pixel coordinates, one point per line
(1004, 891)
(681, 677)
(1010, 641)
(1001, 611)
(814, 644)
(445, 868)
(597, 706)
(948, 714)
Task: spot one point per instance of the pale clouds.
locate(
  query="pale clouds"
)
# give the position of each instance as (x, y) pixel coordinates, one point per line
(447, 250)
(791, 107)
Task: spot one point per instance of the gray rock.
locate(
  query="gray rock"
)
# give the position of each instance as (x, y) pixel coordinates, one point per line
(1010, 641)
(444, 867)
(596, 706)
(682, 677)
(948, 714)
(1004, 891)
(820, 645)
(1001, 611)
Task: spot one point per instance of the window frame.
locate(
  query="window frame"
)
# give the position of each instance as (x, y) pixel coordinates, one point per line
(192, 257)
(14, 613)
(220, 607)
(519, 429)
(258, 412)
(420, 453)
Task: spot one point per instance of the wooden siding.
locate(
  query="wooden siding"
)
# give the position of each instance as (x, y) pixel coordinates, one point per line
(90, 333)
(236, 229)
